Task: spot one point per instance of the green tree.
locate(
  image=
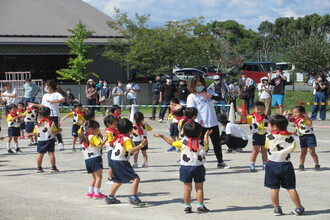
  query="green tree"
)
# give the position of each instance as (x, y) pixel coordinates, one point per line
(311, 55)
(77, 64)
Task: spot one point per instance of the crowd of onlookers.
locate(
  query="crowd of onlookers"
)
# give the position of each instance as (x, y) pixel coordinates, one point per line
(270, 91)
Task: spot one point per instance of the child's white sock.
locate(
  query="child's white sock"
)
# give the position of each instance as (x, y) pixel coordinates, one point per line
(90, 189)
(96, 191)
(16, 146)
(8, 146)
(252, 164)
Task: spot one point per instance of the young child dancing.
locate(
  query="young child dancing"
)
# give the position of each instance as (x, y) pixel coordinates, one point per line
(110, 133)
(192, 160)
(304, 129)
(13, 120)
(121, 168)
(30, 118)
(45, 130)
(77, 116)
(279, 171)
(258, 122)
(20, 112)
(92, 146)
(140, 133)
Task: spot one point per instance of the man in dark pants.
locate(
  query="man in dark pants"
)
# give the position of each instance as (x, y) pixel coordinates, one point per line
(166, 93)
(155, 92)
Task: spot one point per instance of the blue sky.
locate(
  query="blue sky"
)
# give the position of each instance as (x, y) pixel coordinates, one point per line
(247, 12)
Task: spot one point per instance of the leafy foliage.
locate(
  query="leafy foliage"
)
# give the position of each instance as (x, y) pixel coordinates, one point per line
(77, 70)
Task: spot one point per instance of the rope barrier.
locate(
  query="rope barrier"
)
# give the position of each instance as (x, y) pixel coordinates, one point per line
(313, 103)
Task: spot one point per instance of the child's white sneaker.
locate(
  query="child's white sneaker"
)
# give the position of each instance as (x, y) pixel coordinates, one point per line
(135, 165)
(145, 165)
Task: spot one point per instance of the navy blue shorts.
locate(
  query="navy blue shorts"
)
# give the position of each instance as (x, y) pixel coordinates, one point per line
(109, 157)
(174, 131)
(44, 146)
(258, 139)
(122, 171)
(29, 127)
(188, 173)
(14, 132)
(280, 174)
(75, 129)
(94, 164)
(139, 142)
(308, 140)
(22, 126)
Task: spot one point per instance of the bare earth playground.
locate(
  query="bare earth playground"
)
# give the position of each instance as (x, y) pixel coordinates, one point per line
(233, 193)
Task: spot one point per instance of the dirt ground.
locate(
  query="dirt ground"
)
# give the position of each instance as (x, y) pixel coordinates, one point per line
(233, 193)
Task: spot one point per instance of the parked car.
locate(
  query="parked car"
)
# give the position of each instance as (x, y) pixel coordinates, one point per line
(187, 73)
(212, 70)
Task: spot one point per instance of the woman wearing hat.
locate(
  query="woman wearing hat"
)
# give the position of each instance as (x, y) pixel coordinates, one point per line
(182, 91)
(265, 94)
(91, 92)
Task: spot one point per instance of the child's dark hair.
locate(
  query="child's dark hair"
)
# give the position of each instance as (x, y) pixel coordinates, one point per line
(179, 112)
(138, 117)
(89, 114)
(124, 126)
(175, 100)
(190, 112)
(11, 106)
(114, 108)
(300, 109)
(109, 119)
(76, 105)
(44, 112)
(260, 104)
(89, 124)
(20, 103)
(223, 119)
(279, 121)
(192, 129)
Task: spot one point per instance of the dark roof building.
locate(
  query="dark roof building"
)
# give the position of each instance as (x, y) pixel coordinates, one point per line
(33, 32)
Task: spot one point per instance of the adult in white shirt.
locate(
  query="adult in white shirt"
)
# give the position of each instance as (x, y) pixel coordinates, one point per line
(52, 99)
(202, 99)
(131, 91)
(9, 96)
(232, 135)
(265, 94)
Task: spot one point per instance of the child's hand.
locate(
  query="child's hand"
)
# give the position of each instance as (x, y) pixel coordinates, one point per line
(144, 142)
(239, 109)
(208, 133)
(158, 135)
(61, 122)
(287, 112)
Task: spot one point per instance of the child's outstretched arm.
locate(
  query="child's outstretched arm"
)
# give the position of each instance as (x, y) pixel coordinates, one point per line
(241, 113)
(167, 140)
(143, 143)
(65, 117)
(206, 139)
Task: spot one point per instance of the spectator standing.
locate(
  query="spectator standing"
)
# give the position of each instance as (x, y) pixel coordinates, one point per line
(221, 89)
(131, 91)
(91, 92)
(321, 86)
(166, 93)
(182, 91)
(155, 92)
(71, 99)
(278, 80)
(247, 93)
(9, 96)
(265, 94)
(30, 91)
(118, 94)
(233, 92)
(105, 96)
(98, 86)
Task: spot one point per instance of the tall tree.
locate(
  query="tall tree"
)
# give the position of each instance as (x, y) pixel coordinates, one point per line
(77, 64)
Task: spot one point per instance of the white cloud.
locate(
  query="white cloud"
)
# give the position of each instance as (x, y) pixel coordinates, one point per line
(247, 12)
